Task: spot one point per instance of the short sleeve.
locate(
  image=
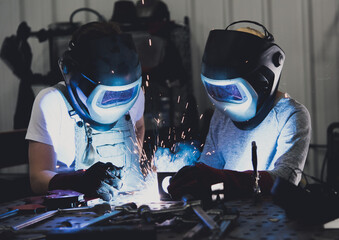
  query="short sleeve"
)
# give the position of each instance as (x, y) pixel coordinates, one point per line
(40, 127)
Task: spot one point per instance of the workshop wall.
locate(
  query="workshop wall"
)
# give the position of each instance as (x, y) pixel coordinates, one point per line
(307, 30)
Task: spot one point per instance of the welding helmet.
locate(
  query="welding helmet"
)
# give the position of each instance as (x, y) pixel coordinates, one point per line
(241, 71)
(103, 78)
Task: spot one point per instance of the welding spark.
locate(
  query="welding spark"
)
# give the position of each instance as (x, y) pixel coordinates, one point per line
(189, 131)
(182, 120)
(186, 105)
(178, 99)
(201, 116)
(147, 76)
(147, 84)
(150, 42)
(174, 158)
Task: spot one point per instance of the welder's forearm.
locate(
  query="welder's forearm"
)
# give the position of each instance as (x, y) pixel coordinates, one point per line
(40, 181)
(140, 132)
(41, 166)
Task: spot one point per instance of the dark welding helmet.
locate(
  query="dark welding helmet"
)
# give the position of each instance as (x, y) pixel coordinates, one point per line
(103, 78)
(241, 71)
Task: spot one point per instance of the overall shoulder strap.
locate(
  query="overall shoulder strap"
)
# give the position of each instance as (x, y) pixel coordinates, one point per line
(79, 123)
(62, 89)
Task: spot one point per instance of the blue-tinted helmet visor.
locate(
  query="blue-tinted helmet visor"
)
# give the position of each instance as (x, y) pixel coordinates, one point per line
(226, 93)
(110, 99)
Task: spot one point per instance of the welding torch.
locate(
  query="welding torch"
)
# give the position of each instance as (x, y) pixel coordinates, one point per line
(256, 176)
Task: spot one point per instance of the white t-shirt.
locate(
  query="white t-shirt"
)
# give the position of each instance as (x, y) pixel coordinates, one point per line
(51, 124)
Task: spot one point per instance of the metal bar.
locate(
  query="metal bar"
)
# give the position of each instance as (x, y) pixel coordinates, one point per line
(36, 219)
(208, 221)
(100, 219)
(120, 209)
(9, 213)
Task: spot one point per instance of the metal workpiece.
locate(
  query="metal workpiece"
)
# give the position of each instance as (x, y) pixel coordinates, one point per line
(196, 230)
(35, 220)
(238, 219)
(145, 212)
(196, 207)
(9, 214)
(224, 216)
(109, 215)
(99, 209)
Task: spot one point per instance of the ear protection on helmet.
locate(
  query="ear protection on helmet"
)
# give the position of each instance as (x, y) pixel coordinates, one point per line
(66, 62)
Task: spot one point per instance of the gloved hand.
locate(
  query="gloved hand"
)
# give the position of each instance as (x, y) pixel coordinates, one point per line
(97, 181)
(197, 180)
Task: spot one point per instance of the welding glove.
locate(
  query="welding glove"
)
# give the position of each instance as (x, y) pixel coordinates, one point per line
(197, 181)
(97, 181)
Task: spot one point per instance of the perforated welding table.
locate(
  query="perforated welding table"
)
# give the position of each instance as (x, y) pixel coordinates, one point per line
(263, 220)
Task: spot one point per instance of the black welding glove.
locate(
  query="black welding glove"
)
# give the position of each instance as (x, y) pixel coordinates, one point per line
(197, 181)
(97, 181)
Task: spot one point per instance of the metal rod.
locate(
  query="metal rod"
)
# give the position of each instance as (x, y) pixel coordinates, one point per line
(36, 219)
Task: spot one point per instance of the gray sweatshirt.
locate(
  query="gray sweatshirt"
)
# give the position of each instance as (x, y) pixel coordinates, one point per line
(282, 140)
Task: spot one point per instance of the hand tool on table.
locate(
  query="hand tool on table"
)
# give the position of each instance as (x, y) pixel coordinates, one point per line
(9, 214)
(193, 232)
(196, 207)
(224, 215)
(125, 207)
(26, 208)
(256, 187)
(99, 209)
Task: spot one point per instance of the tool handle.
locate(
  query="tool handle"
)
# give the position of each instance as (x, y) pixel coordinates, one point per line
(254, 158)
